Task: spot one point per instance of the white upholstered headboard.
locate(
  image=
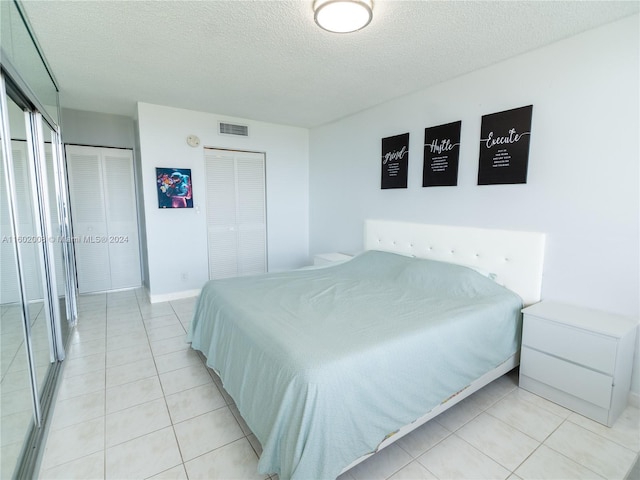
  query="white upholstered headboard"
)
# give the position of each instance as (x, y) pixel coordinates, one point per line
(516, 258)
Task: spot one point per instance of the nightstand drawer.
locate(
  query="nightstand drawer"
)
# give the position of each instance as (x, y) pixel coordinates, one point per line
(579, 346)
(593, 387)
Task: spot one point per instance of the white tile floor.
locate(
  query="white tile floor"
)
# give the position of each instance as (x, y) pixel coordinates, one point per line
(136, 402)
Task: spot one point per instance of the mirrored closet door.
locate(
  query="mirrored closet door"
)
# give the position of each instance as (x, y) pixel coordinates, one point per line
(19, 304)
(37, 276)
(35, 295)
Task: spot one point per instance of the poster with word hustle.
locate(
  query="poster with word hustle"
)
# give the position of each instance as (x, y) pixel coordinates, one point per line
(441, 154)
(395, 161)
(504, 146)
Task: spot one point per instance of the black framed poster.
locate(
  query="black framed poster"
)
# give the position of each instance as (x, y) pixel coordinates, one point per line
(504, 146)
(441, 154)
(395, 161)
(174, 187)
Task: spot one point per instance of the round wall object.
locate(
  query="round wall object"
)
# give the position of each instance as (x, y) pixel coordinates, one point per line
(193, 140)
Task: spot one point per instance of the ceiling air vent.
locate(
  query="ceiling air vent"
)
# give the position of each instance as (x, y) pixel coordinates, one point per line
(232, 129)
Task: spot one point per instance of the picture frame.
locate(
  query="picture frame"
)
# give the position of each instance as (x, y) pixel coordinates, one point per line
(174, 187)
(504, 147)
(441, 155)
(395, 161)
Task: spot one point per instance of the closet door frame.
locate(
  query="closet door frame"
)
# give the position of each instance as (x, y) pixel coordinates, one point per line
(61, 187)
(85, 232)
(124, 234)
(35, 145)
(80, 236)
(7, 155)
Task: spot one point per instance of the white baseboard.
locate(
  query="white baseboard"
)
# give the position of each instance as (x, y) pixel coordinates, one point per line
(634, 399)
(168, 297)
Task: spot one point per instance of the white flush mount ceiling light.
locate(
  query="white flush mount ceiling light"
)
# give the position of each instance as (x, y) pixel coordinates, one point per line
(343, 16)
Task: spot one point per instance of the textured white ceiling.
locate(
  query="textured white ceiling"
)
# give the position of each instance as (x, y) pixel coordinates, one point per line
(267, 60)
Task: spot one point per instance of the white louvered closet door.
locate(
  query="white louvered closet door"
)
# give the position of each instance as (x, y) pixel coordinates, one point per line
(122, 218)
(104, 218)
(88, 218)
(236, 213)
(9, 292)
(26, 224)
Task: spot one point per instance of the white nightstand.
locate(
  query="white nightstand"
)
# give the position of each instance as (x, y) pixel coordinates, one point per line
(326, 258)
(579, 358)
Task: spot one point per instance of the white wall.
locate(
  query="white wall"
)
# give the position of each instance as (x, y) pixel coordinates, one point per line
(583, 177)
(177, 238)
(97, 129)
(142, 221)
(82, 127)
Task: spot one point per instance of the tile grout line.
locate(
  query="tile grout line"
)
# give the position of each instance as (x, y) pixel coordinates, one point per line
(485, 410)
(164, 394)
(105, 390)
(562, 454)
(601, 436)
(106, 337)
(74, 424)
(227, 405)
(571, 459)
(164, 397)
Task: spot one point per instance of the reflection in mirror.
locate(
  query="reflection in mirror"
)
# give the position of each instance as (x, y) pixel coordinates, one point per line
(29, 313)
(21, 50)
(59, 239)
(15, 383)
(41, 324)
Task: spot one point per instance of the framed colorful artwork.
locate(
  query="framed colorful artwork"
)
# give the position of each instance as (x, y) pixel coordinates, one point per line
(174, 188)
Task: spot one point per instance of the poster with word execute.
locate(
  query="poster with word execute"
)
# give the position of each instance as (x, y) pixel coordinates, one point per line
(395, 161)
(441, 154)
(504, 146)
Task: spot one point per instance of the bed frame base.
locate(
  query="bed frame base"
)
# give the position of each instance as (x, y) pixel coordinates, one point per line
(473, 387)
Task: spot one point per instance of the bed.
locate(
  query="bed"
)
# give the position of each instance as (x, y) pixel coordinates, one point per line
(329, 365)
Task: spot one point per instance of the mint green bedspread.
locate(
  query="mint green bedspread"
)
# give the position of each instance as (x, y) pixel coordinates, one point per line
(324, 363)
